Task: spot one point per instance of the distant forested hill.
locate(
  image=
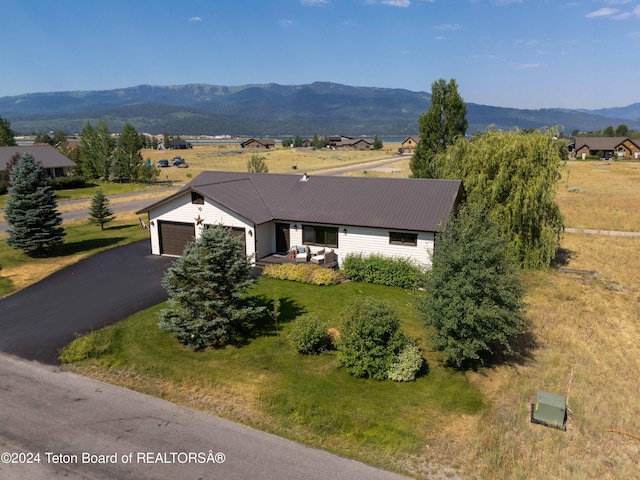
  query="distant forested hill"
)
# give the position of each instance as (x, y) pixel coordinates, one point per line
(271, 109)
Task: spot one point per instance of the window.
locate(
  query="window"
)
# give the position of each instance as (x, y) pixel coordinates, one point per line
(401, 238)
(327, 236)
(197, 199)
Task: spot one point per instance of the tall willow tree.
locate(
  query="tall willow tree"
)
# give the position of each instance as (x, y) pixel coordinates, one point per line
(513, 175)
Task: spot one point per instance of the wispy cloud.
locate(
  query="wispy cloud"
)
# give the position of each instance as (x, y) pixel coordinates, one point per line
(449, 27)
(525, 66)
(314, 3)
(195, 19)
(285, 23)
(397, 3)
(603, 12)
(615, 13)
(484, 56)
(507, 2)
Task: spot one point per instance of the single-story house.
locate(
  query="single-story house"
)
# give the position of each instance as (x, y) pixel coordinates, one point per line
(273, 213)
(179, 144)
(409, 145)
(359, 144)
(335, 140)
(266, 143)
(618, 147)
(54, 162)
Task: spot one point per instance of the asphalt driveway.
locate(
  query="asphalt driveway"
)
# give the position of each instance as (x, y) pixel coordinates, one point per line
(37, 321)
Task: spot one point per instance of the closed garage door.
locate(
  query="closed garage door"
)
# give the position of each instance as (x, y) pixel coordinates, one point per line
(174, 236)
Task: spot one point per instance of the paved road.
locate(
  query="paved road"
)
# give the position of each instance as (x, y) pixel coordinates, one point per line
(45, 410)
(37, 321)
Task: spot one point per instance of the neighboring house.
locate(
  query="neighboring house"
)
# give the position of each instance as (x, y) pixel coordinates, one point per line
(275, 212)
(54, 162)
(265, 143)
(608, 147)
(409, 145)
(335, 140)
(179, 144)
(360, 144)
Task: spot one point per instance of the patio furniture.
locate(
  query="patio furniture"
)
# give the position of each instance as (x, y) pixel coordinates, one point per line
(324, 255)
(302, 254)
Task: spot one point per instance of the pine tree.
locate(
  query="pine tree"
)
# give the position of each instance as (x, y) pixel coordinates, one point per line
(377, 143)
(129, 162)
(31, 210)
(97, 151)
(205, 288)
(100, 213)
(473, 293)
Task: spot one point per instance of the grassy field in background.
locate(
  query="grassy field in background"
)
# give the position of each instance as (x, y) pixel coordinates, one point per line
(280, 160)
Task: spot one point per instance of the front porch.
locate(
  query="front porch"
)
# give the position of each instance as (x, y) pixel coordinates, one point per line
(280, 259)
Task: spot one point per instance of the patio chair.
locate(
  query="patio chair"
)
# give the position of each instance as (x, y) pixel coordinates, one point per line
(302, 254)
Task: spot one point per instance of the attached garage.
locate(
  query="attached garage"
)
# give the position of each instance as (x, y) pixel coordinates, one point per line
(174, 236)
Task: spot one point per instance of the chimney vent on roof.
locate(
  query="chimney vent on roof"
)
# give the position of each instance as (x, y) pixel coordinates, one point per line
(305, 177)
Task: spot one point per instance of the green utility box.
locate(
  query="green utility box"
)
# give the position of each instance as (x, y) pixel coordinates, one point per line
(550, 410)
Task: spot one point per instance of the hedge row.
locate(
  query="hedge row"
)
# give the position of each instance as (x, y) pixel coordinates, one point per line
(381, 270)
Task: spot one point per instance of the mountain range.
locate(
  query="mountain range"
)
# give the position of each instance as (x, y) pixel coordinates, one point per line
(271, 109)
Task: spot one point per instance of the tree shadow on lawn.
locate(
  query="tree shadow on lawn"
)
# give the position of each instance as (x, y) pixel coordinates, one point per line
(72, 248)
(265, 326)
(563, 257)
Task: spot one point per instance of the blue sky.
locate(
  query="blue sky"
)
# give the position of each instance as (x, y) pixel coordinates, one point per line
(510, 53)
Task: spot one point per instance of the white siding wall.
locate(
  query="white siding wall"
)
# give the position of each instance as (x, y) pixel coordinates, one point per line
(374, 240)
(182, 210)
(357, 239)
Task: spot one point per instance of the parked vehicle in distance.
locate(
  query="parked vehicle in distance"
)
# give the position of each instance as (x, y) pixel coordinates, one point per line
(163, 163)
(179, 162)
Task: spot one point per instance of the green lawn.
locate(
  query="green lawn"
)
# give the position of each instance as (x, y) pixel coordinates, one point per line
(265, 383)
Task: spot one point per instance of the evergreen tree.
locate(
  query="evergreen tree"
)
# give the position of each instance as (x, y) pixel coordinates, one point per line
(473, 293)
(513, 176)
(128, 159)
(257, 164)
(444, 122)
(100, 213)
(297, 143)
(377, 143)
(206, 287)
(7, 135)
(42, 138)
(31, 210)
(97, 151)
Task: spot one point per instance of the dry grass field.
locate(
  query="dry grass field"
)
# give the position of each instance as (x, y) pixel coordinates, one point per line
(226, 157)
(601, 195)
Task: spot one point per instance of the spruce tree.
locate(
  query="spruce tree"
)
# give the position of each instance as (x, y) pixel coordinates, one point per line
(474, 292)
(206, 287)
(7, 135)
(100, 213)
(31, 210)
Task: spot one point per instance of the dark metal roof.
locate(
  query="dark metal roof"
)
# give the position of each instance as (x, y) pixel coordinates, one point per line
(48, 156)
(601, 143)
(392, 203)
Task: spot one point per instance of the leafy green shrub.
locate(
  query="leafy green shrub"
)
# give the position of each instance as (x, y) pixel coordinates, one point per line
(370, 339)
(382, 270)
(69, 182)
(308, 335)
(407, 364)
(304, 272)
